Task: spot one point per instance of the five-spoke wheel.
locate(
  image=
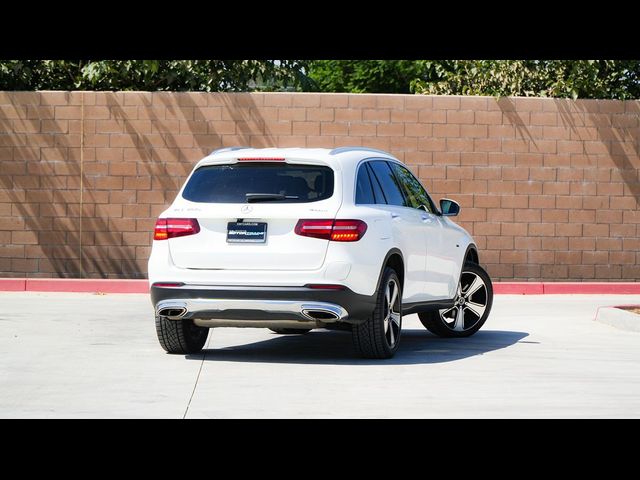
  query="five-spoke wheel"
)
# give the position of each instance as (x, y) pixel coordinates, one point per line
(379, 335)
(393, 315)
(472, 304)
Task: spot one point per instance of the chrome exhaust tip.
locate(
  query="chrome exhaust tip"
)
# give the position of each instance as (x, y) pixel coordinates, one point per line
(321, 314)
(172, 311)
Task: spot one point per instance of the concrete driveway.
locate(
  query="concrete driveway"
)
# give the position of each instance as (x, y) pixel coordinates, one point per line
(83, 355)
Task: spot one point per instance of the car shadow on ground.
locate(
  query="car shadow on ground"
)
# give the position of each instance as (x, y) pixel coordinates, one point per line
(335, 348)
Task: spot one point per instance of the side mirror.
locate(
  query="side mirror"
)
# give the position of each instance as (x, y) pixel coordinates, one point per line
(449, 208)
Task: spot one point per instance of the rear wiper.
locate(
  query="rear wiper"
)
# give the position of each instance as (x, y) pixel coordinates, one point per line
(265, 197)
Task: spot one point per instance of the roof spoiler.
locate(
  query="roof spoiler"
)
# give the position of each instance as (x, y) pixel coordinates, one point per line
(338, 150)
(227, 149)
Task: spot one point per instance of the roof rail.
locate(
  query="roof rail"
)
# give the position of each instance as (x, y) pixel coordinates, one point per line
(338, 150)
(227, 149)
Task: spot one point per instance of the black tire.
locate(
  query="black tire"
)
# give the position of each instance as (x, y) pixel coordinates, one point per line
(379, 336)
(436, 324)
(290, 331)
(180, 336)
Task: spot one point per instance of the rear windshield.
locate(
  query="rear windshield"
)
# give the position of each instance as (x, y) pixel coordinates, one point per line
(232, 183)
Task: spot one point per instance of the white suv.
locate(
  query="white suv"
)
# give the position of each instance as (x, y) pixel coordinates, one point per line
(295, 239)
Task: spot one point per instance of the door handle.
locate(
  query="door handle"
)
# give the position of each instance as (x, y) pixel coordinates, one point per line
(395, 215)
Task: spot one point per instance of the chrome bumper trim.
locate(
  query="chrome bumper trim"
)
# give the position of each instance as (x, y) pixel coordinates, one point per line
(301, 309)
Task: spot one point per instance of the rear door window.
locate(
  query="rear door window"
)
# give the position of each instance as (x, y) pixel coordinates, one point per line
(364, 190)
(232, 183)
(377, 189)
(388, 182)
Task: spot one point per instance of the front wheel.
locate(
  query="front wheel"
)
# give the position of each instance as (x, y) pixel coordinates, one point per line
(472, 304)
(180, 336)
(379, 336)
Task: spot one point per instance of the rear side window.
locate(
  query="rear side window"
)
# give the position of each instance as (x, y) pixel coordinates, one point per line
(232, 183)
(377, 189)
(388, 182)
(364, 191)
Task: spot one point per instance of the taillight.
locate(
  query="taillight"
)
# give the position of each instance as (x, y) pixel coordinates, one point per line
(175, 227)
(314, 228)
(334, 230)
(348, 230)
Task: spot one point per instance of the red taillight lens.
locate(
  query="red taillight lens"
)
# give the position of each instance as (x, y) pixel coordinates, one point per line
(334, 230)
(175, 227)
(348, 230)
(314, 228)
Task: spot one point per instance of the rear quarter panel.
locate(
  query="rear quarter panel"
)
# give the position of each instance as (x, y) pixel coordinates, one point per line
(366, 255)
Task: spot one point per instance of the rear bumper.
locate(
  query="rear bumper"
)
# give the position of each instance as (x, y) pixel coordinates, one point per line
(255, 304)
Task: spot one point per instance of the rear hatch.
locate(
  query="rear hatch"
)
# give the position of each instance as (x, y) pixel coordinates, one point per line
(248, 210)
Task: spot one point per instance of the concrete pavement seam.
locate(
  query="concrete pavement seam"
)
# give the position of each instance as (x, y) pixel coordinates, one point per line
(186, 411)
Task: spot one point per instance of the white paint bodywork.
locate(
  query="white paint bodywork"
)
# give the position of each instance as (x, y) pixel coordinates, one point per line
(433, 247)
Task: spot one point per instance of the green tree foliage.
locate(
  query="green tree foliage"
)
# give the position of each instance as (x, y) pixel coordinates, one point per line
(179, 75)
(615, 79)
(364, 76)
(546, 78)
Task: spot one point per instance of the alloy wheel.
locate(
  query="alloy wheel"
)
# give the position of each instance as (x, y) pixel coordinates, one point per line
(393, 318)
(470, 303)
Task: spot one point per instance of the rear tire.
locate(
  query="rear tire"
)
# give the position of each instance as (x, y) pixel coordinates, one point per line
(379, 336)
(290, 331)
(474, 296)
(180, 336)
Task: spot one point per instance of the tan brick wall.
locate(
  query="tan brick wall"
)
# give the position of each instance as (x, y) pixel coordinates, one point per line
(549, 188)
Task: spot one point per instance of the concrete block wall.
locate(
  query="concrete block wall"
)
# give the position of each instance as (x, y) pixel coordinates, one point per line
(548, 187)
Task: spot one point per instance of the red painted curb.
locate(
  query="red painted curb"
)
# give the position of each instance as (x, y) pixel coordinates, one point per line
(603, 288)
(83, 285)
(518, 288)
(142, 286)
(12, 284)
(86, 285)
